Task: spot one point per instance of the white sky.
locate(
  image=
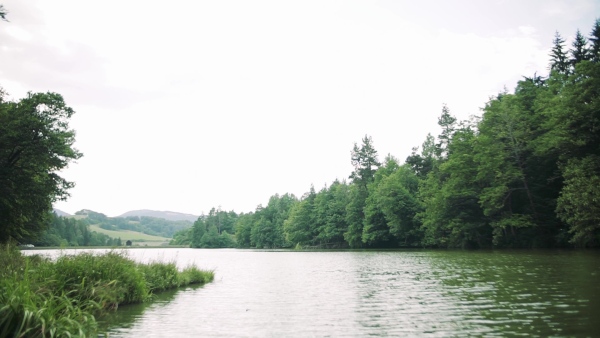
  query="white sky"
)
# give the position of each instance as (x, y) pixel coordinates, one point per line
(185, 105)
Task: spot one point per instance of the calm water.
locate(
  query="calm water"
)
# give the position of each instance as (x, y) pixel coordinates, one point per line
(379, 293)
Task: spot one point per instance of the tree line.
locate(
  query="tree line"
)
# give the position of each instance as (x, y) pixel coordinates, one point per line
(71, 232)
(526, 173)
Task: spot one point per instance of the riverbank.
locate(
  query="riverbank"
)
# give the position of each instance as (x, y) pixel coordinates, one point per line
(52, 298)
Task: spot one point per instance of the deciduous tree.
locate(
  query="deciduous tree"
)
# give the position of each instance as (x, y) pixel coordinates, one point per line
(36, 143)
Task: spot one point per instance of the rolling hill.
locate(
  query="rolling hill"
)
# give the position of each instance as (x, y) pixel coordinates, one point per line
(168, 215)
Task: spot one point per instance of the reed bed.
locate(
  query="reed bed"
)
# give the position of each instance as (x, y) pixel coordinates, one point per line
(40, 297)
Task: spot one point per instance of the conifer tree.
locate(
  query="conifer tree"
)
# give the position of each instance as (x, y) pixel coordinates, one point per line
(558, 57)
(448, 124)
(595, 42)
(580, 51)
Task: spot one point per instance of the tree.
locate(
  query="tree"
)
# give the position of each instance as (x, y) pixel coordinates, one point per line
(35, 144)
(365, 163)
(330, 205)
(243, 230)
(580, 51)
(559, 61)
(364, 160)
(448, 123)
(452, 216)
(423, 163)
(396, 196)
(198, 230)
(595, 42)
(503, 155)
(376, 232)
(579, 201)
(300, 226)
(267, 228)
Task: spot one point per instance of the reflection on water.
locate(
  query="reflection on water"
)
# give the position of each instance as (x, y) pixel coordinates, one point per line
(380, 293)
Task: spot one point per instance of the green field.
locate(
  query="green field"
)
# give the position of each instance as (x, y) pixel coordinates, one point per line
(134, 236)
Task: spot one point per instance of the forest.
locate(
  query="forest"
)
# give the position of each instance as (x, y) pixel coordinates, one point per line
(524, 174)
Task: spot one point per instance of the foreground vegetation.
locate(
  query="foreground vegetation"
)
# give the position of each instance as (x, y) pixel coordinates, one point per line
(44, 298)
(524, 174)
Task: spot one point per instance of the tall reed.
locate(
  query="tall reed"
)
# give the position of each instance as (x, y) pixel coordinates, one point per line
(44, 298)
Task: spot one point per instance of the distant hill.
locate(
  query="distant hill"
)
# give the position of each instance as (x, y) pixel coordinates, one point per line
(168, 215)
(149, 222)
(61, 213)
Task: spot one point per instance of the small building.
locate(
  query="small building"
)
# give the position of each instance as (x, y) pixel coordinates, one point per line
(128, 243)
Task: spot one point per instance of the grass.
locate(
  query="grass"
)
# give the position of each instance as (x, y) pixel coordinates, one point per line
(130, 235)
(44, 298)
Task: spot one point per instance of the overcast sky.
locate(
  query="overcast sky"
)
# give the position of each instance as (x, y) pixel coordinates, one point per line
(185, 105)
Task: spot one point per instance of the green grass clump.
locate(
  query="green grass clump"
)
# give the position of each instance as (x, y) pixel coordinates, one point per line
(160, 276)
(44, 298)
(193, 275)
(110, 279)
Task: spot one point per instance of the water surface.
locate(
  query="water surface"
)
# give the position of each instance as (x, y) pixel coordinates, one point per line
(379, 293)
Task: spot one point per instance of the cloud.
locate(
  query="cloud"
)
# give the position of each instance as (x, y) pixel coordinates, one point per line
(189, 105)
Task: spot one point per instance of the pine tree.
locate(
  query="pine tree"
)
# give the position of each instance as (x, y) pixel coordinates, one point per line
(448, 124)
(559, 59)
(580, 51)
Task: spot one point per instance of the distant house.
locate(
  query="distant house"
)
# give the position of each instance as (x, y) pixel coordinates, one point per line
(128, 243)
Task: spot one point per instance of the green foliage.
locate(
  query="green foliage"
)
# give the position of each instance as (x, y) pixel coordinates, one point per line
(330, 207)
(595, 42)
(524, 174)
(35, 144)
(300, 227)
(396, 197)
(144, 224)
(355, 215)
(193, 275)
(243, 230)
(212, 231)
(41, 298)
(579, 201)
(559, 60)
(267, 228)
(182, 237)
(65, 231)
(365, 163)
(580, 51)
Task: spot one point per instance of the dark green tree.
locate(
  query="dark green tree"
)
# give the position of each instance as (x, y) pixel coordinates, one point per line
(559, 60)
(330, 206)
(578, 203)
(579, 51)
(397, 198)
(376, 232)
(503, 156)
(300, 227)
(365, 163)
(595, 42)
(423, 163)
(198, 230)
(35, 145)
(448, 124)
(243, 230)
(267, 229)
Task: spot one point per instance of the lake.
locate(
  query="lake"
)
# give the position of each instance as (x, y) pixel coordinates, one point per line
(275, 293)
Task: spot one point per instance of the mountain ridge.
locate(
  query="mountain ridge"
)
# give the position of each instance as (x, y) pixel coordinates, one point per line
(168, 215)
